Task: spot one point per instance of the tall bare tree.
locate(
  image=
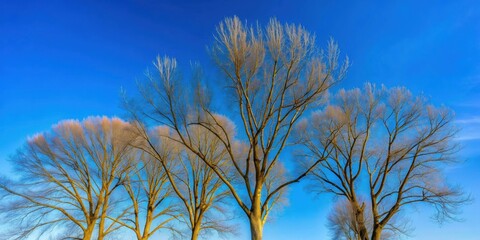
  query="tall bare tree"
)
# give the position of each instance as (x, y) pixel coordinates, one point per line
(68, 177)
(274, 75)
(396, 141)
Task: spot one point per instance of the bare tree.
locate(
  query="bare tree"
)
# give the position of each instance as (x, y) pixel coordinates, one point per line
(397, 141)
(150, 195)
(68, 177)
(273, 75)
(200, 192)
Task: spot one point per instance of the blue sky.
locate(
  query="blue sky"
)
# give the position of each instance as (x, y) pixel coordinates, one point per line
(66, 59)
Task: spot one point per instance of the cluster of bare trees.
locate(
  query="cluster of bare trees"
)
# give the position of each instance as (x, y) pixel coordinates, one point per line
(180, 163)
(86, 180)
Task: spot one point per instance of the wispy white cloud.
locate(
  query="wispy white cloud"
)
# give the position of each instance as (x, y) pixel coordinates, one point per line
(469, 128)
(468, 137)
(473, 120)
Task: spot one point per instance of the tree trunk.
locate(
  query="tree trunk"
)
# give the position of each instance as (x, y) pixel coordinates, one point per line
(103, 216)
(148, 223)
(255, 218)
(360, 220)
(197, 225)
(377, 233)
(256, 228)
(87, 234)
(195, 231)
(101, 226)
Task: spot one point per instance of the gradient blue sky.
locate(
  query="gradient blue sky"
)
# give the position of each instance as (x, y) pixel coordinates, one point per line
(66, 59)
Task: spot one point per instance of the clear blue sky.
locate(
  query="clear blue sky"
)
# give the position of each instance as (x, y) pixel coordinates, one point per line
(67, 59)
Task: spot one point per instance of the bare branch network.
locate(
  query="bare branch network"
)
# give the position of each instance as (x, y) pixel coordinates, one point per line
(183, 166)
